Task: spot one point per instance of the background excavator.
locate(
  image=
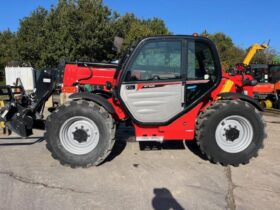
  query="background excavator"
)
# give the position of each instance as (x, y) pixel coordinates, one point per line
(244, 67)
(252, 51)
(267, 76)
(267, 91)
(242, 71)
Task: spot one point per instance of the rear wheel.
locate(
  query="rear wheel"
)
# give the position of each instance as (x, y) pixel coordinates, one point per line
(230, 132)
(80, 133)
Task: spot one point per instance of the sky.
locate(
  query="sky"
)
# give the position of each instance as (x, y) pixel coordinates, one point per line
(245, 21)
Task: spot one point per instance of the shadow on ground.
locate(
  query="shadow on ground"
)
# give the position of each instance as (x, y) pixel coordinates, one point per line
(123, 135)
(164, 200)
(118, 148)
(194, 148)
(18, 141)
(173, 145)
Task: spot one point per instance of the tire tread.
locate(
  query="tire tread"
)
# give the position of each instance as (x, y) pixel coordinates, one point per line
(109, 121)
(201, 127)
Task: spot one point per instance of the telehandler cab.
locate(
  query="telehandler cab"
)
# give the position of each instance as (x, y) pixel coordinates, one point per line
(168, 87)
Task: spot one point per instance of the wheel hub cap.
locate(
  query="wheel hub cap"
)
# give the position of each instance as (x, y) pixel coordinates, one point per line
(79, 135)
(234, 134)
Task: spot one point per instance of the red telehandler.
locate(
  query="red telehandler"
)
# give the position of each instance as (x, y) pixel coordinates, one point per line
(168, 87)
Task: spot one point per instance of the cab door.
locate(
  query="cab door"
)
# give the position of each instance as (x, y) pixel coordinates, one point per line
(153, 87)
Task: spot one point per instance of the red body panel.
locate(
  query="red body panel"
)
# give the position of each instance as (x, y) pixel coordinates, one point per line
(184, 126)
(238, 81)
(119, 111)
(100, 75)
(181, 129)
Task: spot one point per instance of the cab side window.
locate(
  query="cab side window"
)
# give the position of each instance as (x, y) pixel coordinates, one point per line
(202, 72)
(156, 60)
(201, 63)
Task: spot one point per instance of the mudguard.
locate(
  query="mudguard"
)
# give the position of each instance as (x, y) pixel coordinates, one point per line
(95, 98)
(232, 96)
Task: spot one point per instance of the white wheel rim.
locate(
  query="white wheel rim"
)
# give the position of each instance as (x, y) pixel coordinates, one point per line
(75, 145)
(227, 137)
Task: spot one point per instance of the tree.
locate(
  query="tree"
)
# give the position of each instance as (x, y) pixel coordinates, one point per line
(75, 30)
(31, 38)
(276, 59)
(78, 30)
(7, 48)
(265, 56)
(229, 53)
(72, 30)
(132, 29)
(84, 30)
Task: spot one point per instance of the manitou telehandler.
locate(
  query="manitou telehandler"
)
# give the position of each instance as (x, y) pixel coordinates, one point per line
(168, 87)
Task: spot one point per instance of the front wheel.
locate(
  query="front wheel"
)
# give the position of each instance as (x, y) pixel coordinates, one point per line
(230, 132)
(80, 133)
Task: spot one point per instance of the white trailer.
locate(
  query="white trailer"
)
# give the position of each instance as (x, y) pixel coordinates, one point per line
(26, 74)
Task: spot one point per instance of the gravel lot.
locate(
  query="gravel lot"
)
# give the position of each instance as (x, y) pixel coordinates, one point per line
(174, 177)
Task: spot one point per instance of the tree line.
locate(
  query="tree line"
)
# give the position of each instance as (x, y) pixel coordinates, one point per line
(85, 30)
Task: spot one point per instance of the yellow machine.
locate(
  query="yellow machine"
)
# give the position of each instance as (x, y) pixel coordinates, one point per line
(252, 51)
(3, 129)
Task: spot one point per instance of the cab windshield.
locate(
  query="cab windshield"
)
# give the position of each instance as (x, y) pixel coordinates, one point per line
(275, 73)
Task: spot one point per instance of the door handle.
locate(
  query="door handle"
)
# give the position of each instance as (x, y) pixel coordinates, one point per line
(130, 87)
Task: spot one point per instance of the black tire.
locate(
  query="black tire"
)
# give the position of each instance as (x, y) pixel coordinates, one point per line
(95, 113)
(277, 104)
(208, 122)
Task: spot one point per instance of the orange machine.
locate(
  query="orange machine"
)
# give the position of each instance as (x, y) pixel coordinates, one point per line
(267, 91)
